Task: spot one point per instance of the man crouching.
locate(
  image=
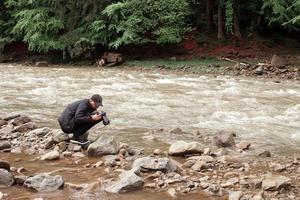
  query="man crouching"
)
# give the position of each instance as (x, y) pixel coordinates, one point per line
(78, 117)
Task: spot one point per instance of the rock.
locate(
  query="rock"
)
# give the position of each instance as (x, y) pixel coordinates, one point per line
(20, 180)
(128, 181)
(181, 148)
(52, 155)
(4, 144)
(41, 132)
(4, 165)
(189, 163)
(156, 152)
(42, 64)
(259, 70)
(59, 136)
(25, 127)
(278, 61)
(104, 145)
(230, 182)
(206, 151)
(98, 164)
(176, 131)
(258, 196)
(243, 145)
(62, 146)
(6, 130)
(199, 165)
(1, 196)
(45, 182)
(202, 158)
(2, 122)
(77, 148)
(172, 192)
(67, 154)
(78, 154)
(224, 139)
(275, 183)
(20, 120)
(150, 164)
(6, 178)
(236, 195)
(256, 183)
(265, 154)
(279, 168)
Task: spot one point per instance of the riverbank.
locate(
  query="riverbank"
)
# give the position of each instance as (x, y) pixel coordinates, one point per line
(225, 169)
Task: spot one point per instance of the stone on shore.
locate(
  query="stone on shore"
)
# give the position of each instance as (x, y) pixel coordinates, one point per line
(224, 139)
(6, 178)
(4, 144)
(59, 136)
(275, 183)
(235, 195)
(129, 181)
(40, 131)
(104, 145)
(25, 127)
(4, 165)
(5, 131)
(244, 145)
(52, 155)
(45, 182)
(20, 120)
(180, 148)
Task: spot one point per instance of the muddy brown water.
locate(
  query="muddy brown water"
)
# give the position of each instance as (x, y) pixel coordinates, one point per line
(262, 111)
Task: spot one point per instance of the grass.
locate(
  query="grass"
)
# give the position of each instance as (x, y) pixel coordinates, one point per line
(206, 65)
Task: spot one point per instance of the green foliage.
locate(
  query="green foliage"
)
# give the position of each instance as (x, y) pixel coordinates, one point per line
(145, 21)
(229, 16)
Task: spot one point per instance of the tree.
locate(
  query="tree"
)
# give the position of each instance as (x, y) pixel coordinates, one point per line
(236, 19)
(221, 21)
(210, 15)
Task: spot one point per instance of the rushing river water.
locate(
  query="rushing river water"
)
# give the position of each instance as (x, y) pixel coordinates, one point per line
(262, 111)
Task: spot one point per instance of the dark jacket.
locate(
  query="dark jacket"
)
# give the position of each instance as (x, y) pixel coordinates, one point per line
(78, 112)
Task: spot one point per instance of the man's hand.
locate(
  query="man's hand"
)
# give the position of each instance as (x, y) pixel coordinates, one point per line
(96, 117)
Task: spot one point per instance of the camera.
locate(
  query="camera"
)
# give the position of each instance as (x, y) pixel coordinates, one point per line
(104, 118)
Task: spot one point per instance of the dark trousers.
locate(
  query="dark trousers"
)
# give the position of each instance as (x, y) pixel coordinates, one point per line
(80, 129)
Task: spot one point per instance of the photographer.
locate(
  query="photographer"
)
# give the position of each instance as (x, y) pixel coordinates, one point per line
(78, 117)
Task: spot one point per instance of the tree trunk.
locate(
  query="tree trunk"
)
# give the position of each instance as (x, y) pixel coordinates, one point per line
(210, 15)
(221, 24)
(236, 19)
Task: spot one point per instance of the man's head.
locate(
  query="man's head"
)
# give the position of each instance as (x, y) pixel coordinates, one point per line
(96, 101)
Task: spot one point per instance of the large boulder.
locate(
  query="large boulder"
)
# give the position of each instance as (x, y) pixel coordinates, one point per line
(45, 182)
(150, 164)
(224, 139)
(40, 132)
(129, 181)
(25, 127)
(4, 165)
(181, 148)
(278, 61)
(104, 145)
(59, 136)
(52, 155)
(275, 183)
(6, 178)
(4, 144)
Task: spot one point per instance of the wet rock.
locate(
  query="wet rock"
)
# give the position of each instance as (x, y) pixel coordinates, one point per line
(45, 182)
(278, 61)
(224, 139)
(20, 120)
(176, 131)
(4, 144)
(4, 165)
(62, 146)
(59, 136)
(129, 181)
(180, 148)
(172, 192)
(6, 178)
(2, 122)
(20, 180)
(52, 155)
(236, 195)
(25, 127)
(41, 132)
(150, 164)
(244, 145)
(42, 64)
(5, 131)
(264, 154)
(259, 70)
(104, 145)
(275, 183)
(199, 165)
